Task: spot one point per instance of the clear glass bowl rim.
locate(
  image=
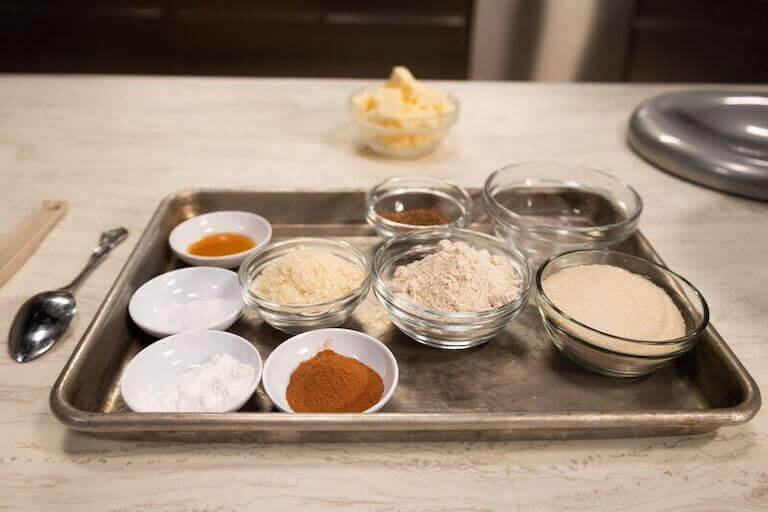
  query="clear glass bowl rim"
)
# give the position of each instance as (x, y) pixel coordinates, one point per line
(452, 117)
(692, 335)
(243, 276)
(510, 216)
(489, 314)
(460, 191)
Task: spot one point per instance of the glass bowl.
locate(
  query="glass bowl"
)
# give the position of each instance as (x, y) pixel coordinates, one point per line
(547, 208)
(402, 193)
(415, 137)
(612, 355)
(438, 328)
(299, 318)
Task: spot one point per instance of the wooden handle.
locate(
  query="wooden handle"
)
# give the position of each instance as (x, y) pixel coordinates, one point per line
(19, 243)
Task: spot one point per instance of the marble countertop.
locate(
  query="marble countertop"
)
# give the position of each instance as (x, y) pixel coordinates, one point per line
(114, 146)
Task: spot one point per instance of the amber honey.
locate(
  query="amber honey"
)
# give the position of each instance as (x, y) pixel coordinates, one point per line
(221, 244)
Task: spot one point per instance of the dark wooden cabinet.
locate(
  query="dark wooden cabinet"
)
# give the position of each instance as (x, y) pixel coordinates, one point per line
(338, 38)
(699, 41)
(668, 40)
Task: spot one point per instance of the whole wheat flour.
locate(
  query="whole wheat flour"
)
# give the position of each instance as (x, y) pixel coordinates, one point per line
(458, 278)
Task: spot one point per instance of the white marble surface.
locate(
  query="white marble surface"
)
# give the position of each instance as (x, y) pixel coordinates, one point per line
(113, 147)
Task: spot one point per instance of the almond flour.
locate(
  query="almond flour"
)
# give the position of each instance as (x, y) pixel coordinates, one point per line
(307, 276)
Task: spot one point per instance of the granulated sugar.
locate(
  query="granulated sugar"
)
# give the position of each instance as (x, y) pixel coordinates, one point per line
(615, 301)
(457, 278)
(211, 387)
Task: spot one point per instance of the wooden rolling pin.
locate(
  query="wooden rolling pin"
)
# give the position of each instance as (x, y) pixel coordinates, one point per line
(19, 243)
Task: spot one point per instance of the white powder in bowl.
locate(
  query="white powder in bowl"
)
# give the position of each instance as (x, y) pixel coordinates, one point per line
(458, 278)
(211, 387)
(306, 276)
(615, 301)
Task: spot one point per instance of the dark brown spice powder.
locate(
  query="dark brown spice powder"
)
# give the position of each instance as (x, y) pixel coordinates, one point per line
(418, 217)
(330, 382)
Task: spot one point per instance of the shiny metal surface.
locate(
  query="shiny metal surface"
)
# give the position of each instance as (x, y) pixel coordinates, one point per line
(716, 139)
(550, 40)
(517, 386)
(42, 319)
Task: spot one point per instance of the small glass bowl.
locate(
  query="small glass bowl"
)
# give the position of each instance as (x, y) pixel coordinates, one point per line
(612, 355)
(402, 193)
(418, 137)
(547, 208)
(438, 328)
(299, 318)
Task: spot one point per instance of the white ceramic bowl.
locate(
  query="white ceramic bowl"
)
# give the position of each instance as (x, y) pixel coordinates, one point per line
(187, 299)
(287, 356)
(255, 226)
(161, 361)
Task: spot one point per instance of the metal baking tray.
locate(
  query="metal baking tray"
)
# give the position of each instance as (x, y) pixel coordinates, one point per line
(517, 386)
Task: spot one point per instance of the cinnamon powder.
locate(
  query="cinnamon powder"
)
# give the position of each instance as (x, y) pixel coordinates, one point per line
(418, 217)
(330, 382)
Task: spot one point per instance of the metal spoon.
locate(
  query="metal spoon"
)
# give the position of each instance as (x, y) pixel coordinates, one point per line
(42, 319)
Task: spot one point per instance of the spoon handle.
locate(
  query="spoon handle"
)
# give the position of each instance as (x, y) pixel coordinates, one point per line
(109, 240)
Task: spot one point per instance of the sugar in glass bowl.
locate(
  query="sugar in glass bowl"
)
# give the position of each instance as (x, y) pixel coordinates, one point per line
(547, 208)
(292, 318)
(438, 328)
(411, 138)
(407, 192)
(612, 355)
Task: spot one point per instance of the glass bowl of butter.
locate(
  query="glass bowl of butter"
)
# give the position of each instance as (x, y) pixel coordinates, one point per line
(403, 117)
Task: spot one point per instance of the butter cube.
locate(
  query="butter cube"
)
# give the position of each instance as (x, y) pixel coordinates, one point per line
(363, 102)
(402, 78)
(446, 107)
(427, 96)
(388, 102)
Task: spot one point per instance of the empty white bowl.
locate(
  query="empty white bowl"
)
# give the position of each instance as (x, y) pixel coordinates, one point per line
(254, 226)
(157, 364)
(283, 360)
(188, 299)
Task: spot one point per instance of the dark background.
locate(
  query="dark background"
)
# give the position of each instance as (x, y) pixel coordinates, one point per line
(669, 40)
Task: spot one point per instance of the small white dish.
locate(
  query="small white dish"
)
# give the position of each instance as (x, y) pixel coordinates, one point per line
(187, 299)
(163, 360)
(254, 226)
(283, 360)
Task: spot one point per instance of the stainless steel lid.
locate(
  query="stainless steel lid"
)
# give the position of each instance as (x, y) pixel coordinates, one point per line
(718, 139)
